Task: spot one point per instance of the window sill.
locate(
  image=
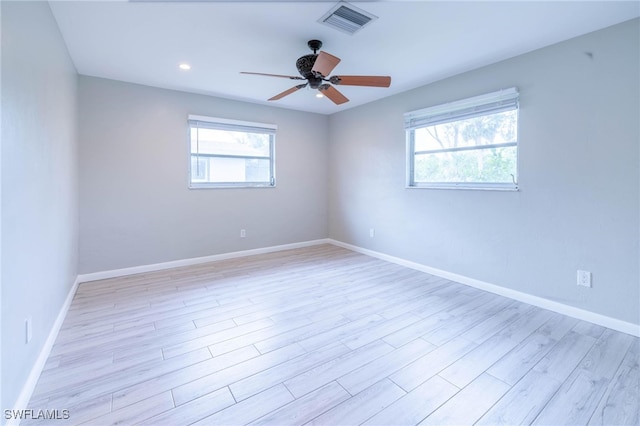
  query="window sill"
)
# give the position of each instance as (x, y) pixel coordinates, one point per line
(229, 186)
(473, 187)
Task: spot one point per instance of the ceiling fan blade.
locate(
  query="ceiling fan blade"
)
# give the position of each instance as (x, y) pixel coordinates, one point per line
(292, 77)
(325, 63)
(288, 92)
(333, 94)
(361, 80)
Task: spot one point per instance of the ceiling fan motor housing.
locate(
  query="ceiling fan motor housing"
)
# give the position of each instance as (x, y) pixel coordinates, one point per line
(304, 65)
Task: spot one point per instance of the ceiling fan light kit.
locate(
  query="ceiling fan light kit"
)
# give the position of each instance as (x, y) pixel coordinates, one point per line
(316, 67)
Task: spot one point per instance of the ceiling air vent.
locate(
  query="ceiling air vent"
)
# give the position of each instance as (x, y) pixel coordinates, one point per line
(347, 18)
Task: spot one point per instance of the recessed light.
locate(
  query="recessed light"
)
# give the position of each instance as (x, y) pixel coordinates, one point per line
(185, 67)
(319, 95)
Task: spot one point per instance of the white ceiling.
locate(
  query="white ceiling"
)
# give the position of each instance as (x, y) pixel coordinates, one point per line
(415, 42)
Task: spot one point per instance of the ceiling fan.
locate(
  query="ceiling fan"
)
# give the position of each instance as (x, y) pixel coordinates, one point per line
(316, 67)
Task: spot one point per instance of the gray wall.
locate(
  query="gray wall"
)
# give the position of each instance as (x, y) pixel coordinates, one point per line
(578, 207)
(39, 184)
(135, 208)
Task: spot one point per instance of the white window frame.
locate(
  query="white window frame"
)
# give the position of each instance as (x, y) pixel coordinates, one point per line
(490, 103)
(234, 125)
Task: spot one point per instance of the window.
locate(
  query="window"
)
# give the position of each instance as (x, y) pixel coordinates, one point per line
(228, 153)
(468, 144)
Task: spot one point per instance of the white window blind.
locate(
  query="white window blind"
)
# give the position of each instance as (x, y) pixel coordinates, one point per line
(490, 103)
(234, 125)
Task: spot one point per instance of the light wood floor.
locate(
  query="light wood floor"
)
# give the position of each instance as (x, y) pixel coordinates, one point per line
(323, 335)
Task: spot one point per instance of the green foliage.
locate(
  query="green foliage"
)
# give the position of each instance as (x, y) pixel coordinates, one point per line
(486, 165)
(477, 164)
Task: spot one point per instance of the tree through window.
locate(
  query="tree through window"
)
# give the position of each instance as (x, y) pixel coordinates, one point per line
(465, 144)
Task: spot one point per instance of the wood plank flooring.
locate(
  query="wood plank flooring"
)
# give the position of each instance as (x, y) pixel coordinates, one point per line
(326, 336)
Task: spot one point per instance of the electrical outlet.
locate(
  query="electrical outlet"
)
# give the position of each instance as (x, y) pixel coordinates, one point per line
(28, 330)
(243, 233)
(584, 278)
(372, 232)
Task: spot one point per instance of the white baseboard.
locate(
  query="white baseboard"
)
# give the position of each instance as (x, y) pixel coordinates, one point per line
(582, 314)
(34, 375)
(114, 273)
